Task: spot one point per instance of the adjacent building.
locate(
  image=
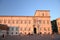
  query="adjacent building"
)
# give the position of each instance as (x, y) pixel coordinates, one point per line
(58, 24)
(38, 24)
(3, 29)
(54, 26)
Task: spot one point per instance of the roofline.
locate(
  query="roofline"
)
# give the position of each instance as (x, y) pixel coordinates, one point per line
(42, 10)
(24, 16)
(15, 16)
(58, 19)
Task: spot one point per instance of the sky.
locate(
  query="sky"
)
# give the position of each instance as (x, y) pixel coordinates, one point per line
(28, 7)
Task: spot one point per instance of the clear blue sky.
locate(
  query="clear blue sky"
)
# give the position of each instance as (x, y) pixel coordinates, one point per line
(28, 7)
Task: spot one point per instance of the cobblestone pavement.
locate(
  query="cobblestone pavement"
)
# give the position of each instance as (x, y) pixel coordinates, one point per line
(32, 37)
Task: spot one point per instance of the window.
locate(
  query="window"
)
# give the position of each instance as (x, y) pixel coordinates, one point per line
(47, 21)
(29, 29)
(39, 21)
(16, 28)
(16, 33)
(25, 22)
(40, 32)
(25, 29)
(12, 28)
(21, 21)
(7, 32)
(4, 21)
(38, 26)
(8, 21)
(46, 14)
(12, 33)
(42, 14)
(44, 32)
(33, 25)
(48, 29)
(25, 32)
(13, 21)
(49, 33)
(34, 21)
(20, 32)
(20, 28)
(0, 21)
(45, 29)
(17, 21)
(29, 21)
(44, 21)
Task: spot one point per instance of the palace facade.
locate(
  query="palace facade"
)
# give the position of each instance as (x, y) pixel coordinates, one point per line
(38, 24)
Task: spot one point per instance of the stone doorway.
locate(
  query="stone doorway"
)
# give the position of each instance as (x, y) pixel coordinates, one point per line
(34, 30)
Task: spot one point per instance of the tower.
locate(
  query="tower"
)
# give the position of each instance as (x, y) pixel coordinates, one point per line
(42, 22)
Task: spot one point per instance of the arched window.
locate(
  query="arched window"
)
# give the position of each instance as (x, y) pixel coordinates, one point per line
(12, 33)
(29, 21)
(8, 21)
(20, 28)
(16, 32)
(43, 21)
(4, 21)
(12, 28)
(29, 29)
(25, 21)
(13, 21)
(16, 28)
(25, 29)
(39, 21)
(0, 21)
(44, 29)
(21, 21)
(47, 21)
(48, 29)
(42, 14)
(17, 21)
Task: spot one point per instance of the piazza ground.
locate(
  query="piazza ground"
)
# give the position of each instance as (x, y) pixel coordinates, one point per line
(33, 37)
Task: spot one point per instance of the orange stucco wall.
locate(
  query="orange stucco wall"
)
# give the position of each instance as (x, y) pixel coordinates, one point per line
(27, 24)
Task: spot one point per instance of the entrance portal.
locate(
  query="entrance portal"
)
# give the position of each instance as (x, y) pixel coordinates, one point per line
(34, 30)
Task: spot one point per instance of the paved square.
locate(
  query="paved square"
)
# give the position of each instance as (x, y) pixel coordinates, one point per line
(33, 37)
